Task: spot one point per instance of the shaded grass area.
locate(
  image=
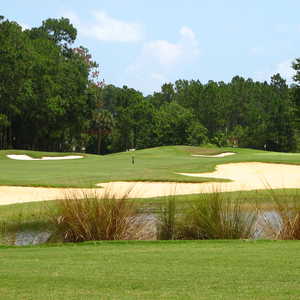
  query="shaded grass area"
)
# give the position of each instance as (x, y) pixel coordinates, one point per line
(155, 164)
(35, 216)
(152, 270)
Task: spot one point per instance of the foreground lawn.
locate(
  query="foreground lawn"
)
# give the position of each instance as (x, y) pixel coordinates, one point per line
(152, 270)
(155, 164)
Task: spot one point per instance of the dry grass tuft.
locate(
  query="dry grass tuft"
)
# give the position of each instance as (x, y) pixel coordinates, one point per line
(284, 224)
(216, 217)
(88, 217)
(167, 219)
(211, 216)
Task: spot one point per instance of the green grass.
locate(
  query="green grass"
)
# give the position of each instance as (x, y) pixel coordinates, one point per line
(155, 164)
(142, 270)
(262, 197)
(33, 216)
(152, 270)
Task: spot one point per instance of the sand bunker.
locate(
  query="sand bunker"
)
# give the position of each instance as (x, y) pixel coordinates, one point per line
(244, 176)
(218, 155)
(254, 176)
(26, 157)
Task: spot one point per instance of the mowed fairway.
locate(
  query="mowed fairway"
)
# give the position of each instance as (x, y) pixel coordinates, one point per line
(152, 270)
(139, 269)
(155, 164)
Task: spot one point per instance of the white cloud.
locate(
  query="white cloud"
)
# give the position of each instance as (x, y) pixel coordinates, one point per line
(284, 68)
(159, 60)
(164, 52)
(159, 77)
(167, 54)
(107, 28)
(187, 33)
(24, 26)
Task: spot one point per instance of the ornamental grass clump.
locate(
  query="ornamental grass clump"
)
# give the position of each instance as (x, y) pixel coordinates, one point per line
(214, 216)
(89, 217)
(167, 219)
(285, 221)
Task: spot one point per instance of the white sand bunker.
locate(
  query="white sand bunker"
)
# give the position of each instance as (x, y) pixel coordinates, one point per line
(254, 176)
(26, 157)
(244, 176)
(218, 155)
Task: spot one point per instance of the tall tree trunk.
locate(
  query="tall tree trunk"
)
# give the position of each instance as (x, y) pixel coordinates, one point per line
(10, 134)
(99, 138)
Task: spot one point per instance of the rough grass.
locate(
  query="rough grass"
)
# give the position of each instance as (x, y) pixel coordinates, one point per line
(36, 215)
(155, 164)
(217, 217)
(209, 216)
(287, 215)
(152, 270)
(167, 220)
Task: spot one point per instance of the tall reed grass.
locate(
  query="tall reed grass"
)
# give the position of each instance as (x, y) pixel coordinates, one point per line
(88, 217)
(210, 216)
(167, 218)
(284, 224)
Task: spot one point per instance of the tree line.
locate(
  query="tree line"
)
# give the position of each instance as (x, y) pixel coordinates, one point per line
(48, 89)
(51, 99)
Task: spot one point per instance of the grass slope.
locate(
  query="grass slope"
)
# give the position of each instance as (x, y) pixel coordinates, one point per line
(155, 164)
(152, 270)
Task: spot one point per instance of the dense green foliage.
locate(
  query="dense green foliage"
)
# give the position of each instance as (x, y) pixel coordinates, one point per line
(152, 270)
(46, 95)
(241, 113)
(51, 99)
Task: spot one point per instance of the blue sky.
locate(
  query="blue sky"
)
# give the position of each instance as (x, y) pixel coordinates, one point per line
(144, 43)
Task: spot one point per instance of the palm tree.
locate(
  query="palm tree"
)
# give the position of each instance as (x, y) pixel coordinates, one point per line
(103, 124)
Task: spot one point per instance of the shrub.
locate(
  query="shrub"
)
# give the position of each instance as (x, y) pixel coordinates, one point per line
(197, 134)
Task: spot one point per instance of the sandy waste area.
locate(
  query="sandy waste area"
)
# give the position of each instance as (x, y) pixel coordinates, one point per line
(243, 176)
